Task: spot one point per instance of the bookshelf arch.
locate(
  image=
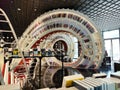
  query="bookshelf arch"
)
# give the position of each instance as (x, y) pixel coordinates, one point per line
(73, 22)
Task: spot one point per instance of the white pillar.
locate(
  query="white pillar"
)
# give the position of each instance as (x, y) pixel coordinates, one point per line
(15, 80)
(1, 78)
(12, 77)
(6, 73)
(1, 58)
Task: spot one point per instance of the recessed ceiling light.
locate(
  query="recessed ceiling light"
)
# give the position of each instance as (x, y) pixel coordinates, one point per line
(18, 9)
(35, 9)
(109, 0)
(11, 1)
(104, 3)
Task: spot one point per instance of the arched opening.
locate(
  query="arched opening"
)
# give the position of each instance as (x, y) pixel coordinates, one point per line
(61, 45)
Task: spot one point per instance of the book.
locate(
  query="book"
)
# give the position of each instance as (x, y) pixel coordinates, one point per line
(86, 84)
(99, 75)
(15, 52)
(67, 80)
(115, 74)
(110, 84)
(117, 82)
(92, 81)
(104, 83)
(80, 85)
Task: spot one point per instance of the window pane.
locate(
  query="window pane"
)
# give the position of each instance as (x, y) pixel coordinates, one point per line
(111, 34)
(116, 52)
(75, 48)
(108, 47)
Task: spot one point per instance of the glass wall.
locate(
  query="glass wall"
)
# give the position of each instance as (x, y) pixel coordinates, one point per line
(111, 34)
(112, 43)
(116, 50)
(108, 47)
(75, 48)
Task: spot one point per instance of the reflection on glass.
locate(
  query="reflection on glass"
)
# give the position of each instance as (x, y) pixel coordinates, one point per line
(53, 76)
(75, 48)
(108, 47)
(111, 34)
(116, 53)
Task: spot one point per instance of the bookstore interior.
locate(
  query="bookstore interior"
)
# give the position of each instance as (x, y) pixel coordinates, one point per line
(59, 45)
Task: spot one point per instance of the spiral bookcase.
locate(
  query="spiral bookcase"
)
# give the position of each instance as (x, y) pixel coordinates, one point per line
(64, 24)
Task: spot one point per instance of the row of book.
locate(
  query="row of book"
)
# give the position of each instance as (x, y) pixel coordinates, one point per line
(15, 53)
(91, 83)
(70, 16)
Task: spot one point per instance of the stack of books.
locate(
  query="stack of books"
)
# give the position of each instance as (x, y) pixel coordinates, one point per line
(67, 80)
(97, 84)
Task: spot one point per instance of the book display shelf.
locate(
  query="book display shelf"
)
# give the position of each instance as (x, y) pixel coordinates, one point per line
(72, 22)
(22, 60)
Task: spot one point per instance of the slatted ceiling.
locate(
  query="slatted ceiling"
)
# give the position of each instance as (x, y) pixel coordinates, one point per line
(36, 4)
(23, 11)
(27, 11)
(12, 15)
(4, 26)
(17, 7)
(105, 13)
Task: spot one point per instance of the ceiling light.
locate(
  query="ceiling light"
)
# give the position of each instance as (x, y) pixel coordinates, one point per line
(11, 1)
(109, 0)
(35, 9)
(19, 9)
